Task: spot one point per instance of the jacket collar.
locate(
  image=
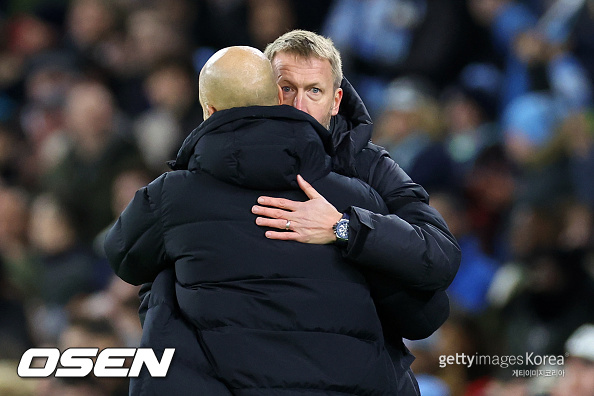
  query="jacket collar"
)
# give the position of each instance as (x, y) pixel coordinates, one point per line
(258, 147)
(220, 118)
(351, 130)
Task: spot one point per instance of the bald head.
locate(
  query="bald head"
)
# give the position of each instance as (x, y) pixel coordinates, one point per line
(237, 77)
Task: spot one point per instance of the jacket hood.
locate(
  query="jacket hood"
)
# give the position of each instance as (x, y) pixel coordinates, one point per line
(260, 147)
(351, 129)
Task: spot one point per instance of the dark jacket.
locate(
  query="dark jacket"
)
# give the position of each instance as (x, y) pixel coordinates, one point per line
(270, 317)
(409, 257)
(413, 243)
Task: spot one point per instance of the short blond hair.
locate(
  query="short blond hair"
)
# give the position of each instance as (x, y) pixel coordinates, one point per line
(308, 44)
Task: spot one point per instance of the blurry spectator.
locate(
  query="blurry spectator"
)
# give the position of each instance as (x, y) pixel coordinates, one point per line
(469, 289)
(29, 34)
(489, 191)
(532, 138)
(68, 267)
(93, 35)
(462, 334)
(582, 37)
(85, 333)
(222, 23)
(89, 22)
(536, 55)
(11, 152)
(123, 188)
(563, 233)
(150, 38)
(13, 385)
(15, 334)
(49, 77)
(20, 267)
(557, 297)
(175, 111)
(578, 226)
(579, 365)
(529, 124)
(179, 13)
(11, 69)
(507, 386)
(118, 304)
(410, 129)
(578, 133)
(125, 185)
(24, 35)
(407, 121)
(119, 301)
(470, 114)
(71, 387)
(394, 38)
(268, 20)
(506, 19)
(98, 150)
(551, 67)
(531, 229)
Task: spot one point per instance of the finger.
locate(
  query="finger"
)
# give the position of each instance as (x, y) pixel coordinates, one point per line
(283, 236)
(281, 203)
(307, 188)
(270, 212)
(281, 224)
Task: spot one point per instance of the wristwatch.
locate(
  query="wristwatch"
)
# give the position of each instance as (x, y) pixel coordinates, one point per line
(341, 230)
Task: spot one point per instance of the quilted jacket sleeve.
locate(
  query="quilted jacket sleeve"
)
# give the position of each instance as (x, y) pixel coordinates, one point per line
(134, 245)
(412, 243)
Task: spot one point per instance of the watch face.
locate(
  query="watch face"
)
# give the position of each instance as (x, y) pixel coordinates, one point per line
(342, 229)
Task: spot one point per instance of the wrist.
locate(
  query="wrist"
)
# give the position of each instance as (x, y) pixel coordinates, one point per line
(341, 230)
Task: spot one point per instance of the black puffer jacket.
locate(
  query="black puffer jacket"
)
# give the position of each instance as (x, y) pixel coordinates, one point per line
(409, 256)
(413, 243)
(271, 317)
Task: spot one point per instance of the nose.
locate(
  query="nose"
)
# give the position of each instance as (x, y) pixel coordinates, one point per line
(299, 102)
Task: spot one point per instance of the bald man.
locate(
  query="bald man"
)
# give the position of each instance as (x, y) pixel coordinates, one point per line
(237, 77)
(249, 315)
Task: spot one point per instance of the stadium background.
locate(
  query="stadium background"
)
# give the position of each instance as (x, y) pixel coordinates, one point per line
(486, 103)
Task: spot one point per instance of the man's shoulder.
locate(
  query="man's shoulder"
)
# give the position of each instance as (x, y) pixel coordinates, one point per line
(369, 157)
(172, 176)
(171, 180)
(374, 149)
(376, 167)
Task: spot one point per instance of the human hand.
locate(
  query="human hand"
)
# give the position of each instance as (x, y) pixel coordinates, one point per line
(310, 221)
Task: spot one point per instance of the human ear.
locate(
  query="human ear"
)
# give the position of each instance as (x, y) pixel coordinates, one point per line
(208, 110)
(336, 101)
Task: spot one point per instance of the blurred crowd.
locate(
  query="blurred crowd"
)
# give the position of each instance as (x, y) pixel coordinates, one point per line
(489, 104)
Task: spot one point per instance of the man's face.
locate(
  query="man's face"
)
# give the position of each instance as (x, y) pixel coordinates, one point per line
(307, 85)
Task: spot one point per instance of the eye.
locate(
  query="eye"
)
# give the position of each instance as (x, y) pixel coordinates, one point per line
(315, 90)
(286, 89)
